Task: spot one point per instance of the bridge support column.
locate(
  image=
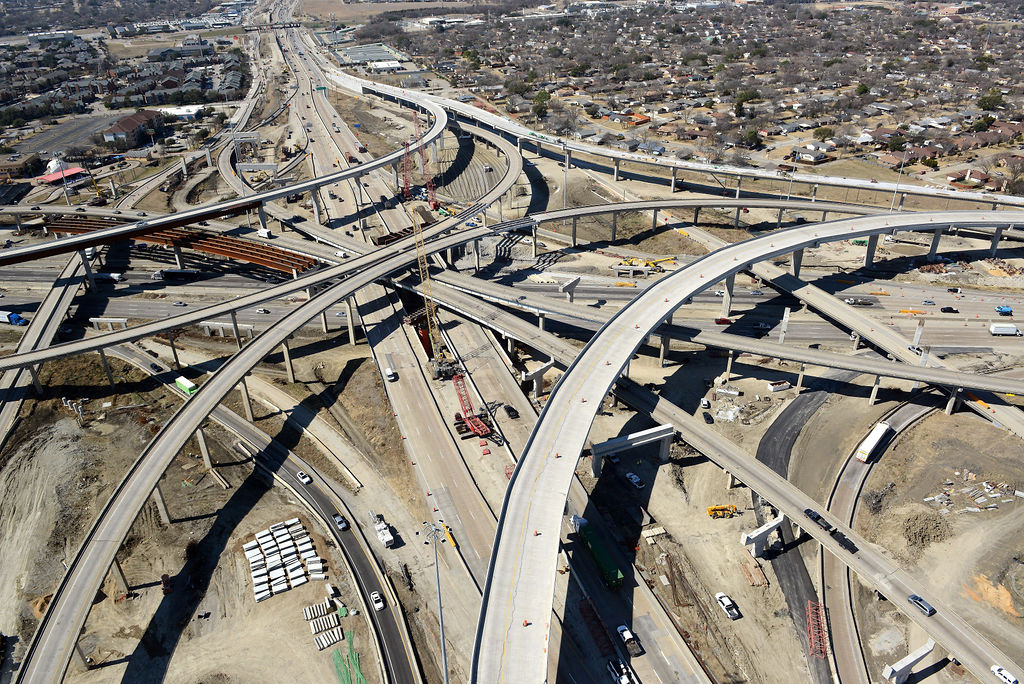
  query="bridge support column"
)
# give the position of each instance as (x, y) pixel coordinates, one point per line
(90, 280)
(778, 221)
(736, 218)
(855, 338)
(262, 216)
(519, 146)
(161, 505)
(113, 188)
(874, 390)
(533, 230)
(106, 369)
(869, 255)
(739, 182)
(573, 233)
(923, 362)
(540, 320)
(204, 448)
(730, 285)
(696, 215)
(758, 539)
(323, 322)
(316, 209)
(246, 401)
(654, 221)
(510, 346)
(615, 172)
(234, 326)
(476, 254)
(814, 193)
(288, 362)
(351, 322)
(785, 326)
(209, 160)
(174, 350)
(118, 574)
(954, 400)
(674, 170)
(996, 236)
(34, 372)
(935, 244)
(178, 260)
(663, 350)
(800, 378)
(728, 366)
(537, 376)
(569, 288)
(568, 159)
(824, 215)
(798, 258)
(900, 672)
(903, 197)
(918, 332)
(615, 224)
(394, 167)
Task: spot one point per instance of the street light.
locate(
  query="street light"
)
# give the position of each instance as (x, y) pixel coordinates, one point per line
(433, 532)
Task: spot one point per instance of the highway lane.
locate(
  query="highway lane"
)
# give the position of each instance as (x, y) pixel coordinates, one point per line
(507, 651)
(49, 651)
(320, 497)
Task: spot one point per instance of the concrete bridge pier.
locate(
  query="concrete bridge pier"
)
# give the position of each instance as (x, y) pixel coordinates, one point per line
(476, 254)
(568, 158)
(161, 505)
(394, 167)
(179, 261)
(996, 236)
(654, 221)
(935, 243)
(184, 169)
(540, 320)
(664, 348)
(234, 326)
(569, 288)
(674, 170)
(662, 434)
(874, 390)
(174, 350)
(739, 182)
(537, 376)
(736, 218)
(900, 672)
(246, 401)
(323, 322)
(91, 281)
(730, 286)
(800, 378)
(824, 215)
(572, 241)
(316, 209)
(519, 145)
(918, 331)
(758, 539)
(615, 224)
(785, 326)
(728, 365)
(615, 172)
(106, 369)
(533, 231)
(118, 574)
(209, 159)
(794, 266)
(778, 221)
(869, 255)
(34, 372)
(814, 193)
(262, 216)
(855, 338)
(696, 215)
(288, 361)
(923, 363)
(204, 448)
(954, 400)
(351, 322)
(903, 197)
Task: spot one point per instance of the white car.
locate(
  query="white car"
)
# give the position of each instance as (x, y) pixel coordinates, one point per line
(719, 293)
(304, 478)
(340, 522)
(377, 601)
(728, 605)
(635, 480)
(1003, 675)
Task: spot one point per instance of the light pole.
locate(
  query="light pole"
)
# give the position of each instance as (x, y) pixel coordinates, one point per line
(433, 532)
(897, 189)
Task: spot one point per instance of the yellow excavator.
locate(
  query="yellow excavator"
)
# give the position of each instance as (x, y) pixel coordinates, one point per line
(654, 265)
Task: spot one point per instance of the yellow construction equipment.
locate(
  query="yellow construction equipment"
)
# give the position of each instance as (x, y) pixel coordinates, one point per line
(721, 511)
(441, 362)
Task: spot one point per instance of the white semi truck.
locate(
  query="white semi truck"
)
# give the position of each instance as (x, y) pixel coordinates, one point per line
(1004, 329)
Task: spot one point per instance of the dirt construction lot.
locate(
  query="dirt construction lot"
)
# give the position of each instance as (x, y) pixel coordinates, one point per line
(946, 509)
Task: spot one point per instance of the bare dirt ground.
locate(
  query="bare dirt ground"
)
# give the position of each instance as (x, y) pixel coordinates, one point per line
(969, 558)
(357, 12)
(690, 562)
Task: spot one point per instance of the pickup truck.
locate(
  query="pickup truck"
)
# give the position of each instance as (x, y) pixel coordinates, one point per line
(632, 645)
(12, 318)
(1004, 310)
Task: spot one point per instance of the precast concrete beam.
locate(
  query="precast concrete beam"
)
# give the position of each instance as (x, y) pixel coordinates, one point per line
(204, 448)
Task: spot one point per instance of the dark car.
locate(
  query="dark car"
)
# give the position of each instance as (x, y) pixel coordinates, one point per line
(510, 411)
(949, 309)
(821, 522)
(156, 367)
(708, 418)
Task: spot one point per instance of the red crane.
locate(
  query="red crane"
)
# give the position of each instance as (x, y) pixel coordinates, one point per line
(406, 182)
(476, 426)
(431, 193)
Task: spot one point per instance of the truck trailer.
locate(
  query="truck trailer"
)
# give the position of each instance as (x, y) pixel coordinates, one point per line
(12, 318)
(1004, 329)
(610, 572)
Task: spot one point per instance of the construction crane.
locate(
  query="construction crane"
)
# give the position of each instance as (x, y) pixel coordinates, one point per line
(721, 511)
(427, 173)
(406, 173)
(441, 363)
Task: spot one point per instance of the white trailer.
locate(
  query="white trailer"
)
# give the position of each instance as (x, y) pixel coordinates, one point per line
(870, 442)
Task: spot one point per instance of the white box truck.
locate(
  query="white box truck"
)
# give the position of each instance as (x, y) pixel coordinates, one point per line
(1004, 329)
